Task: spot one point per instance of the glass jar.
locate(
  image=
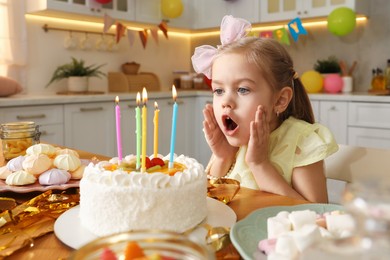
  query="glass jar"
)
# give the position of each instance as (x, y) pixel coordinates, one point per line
(153, 242)
(16, 137)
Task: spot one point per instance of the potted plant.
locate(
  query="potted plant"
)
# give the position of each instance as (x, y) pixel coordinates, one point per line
(327, 66)
(77, 74)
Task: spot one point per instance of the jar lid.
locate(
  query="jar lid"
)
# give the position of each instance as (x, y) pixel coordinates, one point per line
(17, 126)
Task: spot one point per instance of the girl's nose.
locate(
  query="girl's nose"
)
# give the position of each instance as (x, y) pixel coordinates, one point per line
(227, 102)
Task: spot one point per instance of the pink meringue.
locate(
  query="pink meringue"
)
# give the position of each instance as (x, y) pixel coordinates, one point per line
(54, 177)
(15, 164)
(37, 163)
(20, 178)
(67, 162)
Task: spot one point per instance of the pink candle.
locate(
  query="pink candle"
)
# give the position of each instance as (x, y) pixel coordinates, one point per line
(118, 129)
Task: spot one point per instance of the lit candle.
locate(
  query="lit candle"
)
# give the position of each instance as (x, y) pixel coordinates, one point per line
(118, 129)
(138, 131)
(144, 128)
(173, 132)
(155, 121)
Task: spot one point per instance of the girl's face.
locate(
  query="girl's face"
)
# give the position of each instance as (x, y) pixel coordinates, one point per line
(239, 88)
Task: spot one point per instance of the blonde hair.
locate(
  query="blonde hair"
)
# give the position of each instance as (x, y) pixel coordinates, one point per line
(275, 63)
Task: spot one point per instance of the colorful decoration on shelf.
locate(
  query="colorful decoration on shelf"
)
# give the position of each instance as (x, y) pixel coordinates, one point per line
(333, 83)
(312, 81)
(171, 8)
(296, 28)
(341, 21)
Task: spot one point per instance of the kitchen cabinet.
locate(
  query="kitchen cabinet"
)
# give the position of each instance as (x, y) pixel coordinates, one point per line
(90, 127)
(185, 132)
(118, 9)
(150, 12)
(202, 149)
(333, 114)
(49, 118)
(209, 13)
(369, 124)
(279, 10)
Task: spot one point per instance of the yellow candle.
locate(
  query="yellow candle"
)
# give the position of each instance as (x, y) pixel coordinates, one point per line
(155, 121)
(144, 129)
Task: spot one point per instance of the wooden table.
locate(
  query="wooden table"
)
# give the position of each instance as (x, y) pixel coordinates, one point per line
(49, 247)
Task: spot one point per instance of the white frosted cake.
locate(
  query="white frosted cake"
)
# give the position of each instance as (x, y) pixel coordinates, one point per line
(116, 199)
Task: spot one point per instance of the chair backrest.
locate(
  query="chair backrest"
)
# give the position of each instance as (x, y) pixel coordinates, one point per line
(352, 163)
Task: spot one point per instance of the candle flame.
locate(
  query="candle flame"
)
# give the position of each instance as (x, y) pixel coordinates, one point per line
(116, 100)
(174, 93)
(144, 96)
(155, 105)
(138, 98)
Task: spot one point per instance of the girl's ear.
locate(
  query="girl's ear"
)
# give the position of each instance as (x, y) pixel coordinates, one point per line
(283, 99)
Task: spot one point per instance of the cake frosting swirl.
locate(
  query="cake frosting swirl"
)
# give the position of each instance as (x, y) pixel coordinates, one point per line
(134, 200)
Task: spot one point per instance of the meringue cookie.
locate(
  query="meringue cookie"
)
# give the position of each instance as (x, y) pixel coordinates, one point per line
(67, 162)
(4, 172)
(47, 149)
(78, 173)
(37, 163)
(20, 178)
(15, 164)
(67, 151)
(54, 177)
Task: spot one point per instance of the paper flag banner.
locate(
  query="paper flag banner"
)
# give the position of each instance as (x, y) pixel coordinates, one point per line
(266, 34)
(154, 33)
(143, 35)
(131, 36)
(281, 35)
(164, 28)
(296, 28)
(120, 31)
(108, 22)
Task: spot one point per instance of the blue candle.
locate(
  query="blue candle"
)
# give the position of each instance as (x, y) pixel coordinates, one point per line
(173, 132)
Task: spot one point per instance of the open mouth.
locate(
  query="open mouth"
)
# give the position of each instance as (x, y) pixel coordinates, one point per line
(229, 124)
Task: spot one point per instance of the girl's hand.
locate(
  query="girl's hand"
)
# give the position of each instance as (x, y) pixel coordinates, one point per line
(257, 152)
(215, 137)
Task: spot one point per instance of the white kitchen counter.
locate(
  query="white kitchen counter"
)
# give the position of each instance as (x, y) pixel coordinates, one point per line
(28, 100)
(31, 100)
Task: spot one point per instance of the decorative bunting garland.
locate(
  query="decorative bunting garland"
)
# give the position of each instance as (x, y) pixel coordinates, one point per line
(121, 30)
(295, 27)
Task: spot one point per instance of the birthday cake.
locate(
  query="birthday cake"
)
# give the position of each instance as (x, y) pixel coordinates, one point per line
(114, 197)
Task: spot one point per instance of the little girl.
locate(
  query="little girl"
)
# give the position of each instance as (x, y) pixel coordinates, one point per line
(261, 127)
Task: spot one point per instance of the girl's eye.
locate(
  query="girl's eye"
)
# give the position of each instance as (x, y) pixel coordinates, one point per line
(243, 90)
(218, 91)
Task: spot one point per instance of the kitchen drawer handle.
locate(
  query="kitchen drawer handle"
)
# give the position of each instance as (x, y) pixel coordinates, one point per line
(89, 109)
(31, 117)
(333, 108)
(178, 102)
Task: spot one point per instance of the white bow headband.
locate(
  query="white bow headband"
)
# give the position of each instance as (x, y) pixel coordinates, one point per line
(232, 29)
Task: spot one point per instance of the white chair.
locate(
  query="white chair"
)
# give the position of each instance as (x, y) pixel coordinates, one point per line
(352, 163)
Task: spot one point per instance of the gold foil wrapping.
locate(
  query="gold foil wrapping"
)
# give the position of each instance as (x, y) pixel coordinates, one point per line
(32, 219)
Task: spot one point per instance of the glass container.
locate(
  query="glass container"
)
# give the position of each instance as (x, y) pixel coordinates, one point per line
(167, 245)
(16, 137)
